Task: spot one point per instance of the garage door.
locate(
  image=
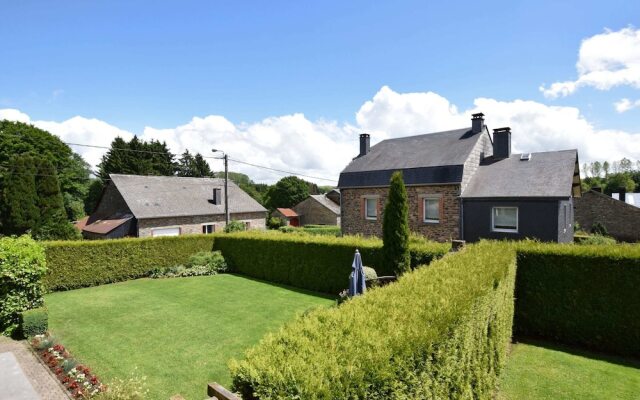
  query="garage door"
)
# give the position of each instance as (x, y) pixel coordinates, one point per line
(165, 232)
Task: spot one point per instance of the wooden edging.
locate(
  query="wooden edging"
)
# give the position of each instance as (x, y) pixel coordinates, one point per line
(217, 391)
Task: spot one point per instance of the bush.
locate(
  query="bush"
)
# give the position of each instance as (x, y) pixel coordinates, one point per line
(599, 229)
(133, 388)
(235, 226)
(35, 322)
(595, 239)
(22, 266)
(322, 230)
(274, 223)
(370, 274)
(319, 263)
(584, 295)
(395, 227)
(95, 262)
(199, 264)
(440, 332)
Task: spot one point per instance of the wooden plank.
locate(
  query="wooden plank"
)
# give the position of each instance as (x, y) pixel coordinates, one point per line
(214, 389)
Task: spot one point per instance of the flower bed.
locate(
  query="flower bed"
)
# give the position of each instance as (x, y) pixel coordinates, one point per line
(76, 378)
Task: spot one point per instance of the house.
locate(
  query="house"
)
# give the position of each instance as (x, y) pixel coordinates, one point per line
(287, 215)
(463, 184)
(620, 219)
(319, 209)
(144, 206)
(629, 198)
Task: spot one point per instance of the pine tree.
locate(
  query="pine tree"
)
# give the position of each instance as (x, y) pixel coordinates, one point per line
(186, 165)
(201, 166)
(395, 227)
(19, 201)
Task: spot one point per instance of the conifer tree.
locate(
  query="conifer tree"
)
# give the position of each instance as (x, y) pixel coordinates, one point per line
(52, 223)
(19, 199)
(395, 227)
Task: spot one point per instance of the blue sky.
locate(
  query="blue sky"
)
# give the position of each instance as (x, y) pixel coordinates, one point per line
(138, 64)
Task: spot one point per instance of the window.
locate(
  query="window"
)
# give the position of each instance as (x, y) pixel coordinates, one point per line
(504, 219)
(208, 228)
(165, 232)
(431, 209)
(371, 208)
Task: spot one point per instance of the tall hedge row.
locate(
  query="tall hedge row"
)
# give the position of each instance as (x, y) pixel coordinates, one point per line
(22, 265)
(587, 295)
(316, 263)
(440, 332)
(75, 264)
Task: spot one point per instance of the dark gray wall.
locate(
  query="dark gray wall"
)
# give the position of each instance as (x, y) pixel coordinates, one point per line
(111, 203)
(565, 226)
(537, 219)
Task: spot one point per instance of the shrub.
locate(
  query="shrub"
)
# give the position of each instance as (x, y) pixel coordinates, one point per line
(235, 226)
(596, 239)
(439, 332)
(395, 227)
(322, 230)
(274, 223)
(133, 388)
(319, 263)
(599, 229)
(199, 264)
(580, 295)
(35, 322)
(22, 266)
(370, 274)
(95, 262)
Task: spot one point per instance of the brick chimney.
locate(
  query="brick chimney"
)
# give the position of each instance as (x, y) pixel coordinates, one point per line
(502, 143)
(365, 144)
(477, 122)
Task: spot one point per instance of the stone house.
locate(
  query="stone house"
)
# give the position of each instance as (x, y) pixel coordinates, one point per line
(621, 219)
(318, 209)
(463, 184)
(144, 206)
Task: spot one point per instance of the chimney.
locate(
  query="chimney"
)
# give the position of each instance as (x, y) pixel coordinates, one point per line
(477, 122)
(217, 196)
(597, 189)
(623, 195)
(365, 142)
(502, 143)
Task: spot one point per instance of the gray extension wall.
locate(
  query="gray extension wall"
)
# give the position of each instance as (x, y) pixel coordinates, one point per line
(537, 219)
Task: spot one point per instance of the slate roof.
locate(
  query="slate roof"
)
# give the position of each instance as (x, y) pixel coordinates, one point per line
(322, 199)
(169, 196)
(546, 174)
(430, 158)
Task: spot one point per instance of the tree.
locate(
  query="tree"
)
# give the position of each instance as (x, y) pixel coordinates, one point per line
(605, 168)
(585, 169)
(73, 172)
(287, 192)
(19, 198)
(625, 165)
(596, 168)
(395, 227)
(93, 195)
(618, 181)
(257, 191)
(137, 157)
(196, 167)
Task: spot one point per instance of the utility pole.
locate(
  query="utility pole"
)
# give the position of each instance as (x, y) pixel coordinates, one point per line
(225, 157)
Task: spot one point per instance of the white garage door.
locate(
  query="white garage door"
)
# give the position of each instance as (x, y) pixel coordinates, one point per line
(165, 232)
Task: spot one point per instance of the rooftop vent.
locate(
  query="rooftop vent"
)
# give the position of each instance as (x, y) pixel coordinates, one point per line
(525, 157)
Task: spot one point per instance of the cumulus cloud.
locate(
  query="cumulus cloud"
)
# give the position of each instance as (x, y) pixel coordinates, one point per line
(605, 60)
(625, 105)
(323, 148)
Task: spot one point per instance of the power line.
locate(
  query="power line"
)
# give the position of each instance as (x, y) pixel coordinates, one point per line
(281, 171)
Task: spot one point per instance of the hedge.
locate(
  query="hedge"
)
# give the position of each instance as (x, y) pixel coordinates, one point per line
(439, 332)
(75, 264)
(586, 295)
(319, 263)
(35, 322)
(22, 265)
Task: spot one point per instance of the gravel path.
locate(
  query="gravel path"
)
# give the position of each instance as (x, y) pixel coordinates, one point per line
(44, 383)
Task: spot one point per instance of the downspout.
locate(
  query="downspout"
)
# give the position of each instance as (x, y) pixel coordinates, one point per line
(461, 219)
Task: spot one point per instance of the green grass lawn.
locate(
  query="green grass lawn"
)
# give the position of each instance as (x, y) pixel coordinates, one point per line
(178, 332)
(535, 372)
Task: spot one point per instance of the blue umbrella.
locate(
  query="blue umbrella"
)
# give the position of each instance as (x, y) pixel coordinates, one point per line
(356, 279)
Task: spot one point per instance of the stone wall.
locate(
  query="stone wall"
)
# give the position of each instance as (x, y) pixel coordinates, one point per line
(111, 203)
(354, 222)
(313, 213)
(193, 224)
(483, 148)
(622, 220)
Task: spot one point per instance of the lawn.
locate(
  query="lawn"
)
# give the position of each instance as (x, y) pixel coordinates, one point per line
(178, 332)
(537, 371)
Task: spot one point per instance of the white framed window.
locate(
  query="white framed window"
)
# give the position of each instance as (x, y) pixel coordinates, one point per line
(208, 228)
(173, 231)
(431, 210)
(504, 219)
(371, 208)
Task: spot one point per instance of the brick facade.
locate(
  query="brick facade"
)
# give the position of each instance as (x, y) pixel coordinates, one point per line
(621, 219)
(354, 221)
(193, 224)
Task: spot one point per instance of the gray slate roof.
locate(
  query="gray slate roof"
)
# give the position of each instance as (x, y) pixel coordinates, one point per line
(547, 174)
(322, 199)
(169, 196)
(429, 150)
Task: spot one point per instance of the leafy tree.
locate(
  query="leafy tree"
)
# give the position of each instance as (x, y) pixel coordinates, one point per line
(619, 180)
(73, 172)
(605, 168)
(20, 212)
(395, 227)
(93, 196)
(287, 192)
(625, 165)
(596, 168)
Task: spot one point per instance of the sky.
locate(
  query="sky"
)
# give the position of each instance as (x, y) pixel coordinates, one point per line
(290, 85)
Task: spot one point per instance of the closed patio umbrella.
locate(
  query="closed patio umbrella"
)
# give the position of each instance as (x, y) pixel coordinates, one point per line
(356, 279)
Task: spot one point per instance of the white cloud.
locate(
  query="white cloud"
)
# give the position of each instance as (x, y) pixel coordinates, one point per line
(323, 148)
(625, 105)
(605, 60)
(13, 115)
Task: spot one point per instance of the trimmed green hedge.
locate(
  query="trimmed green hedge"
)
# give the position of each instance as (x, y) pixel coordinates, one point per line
(75, 264)
(319, 263)
(35, 322)
(587, 295)
(440, 332)
(22, 265)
